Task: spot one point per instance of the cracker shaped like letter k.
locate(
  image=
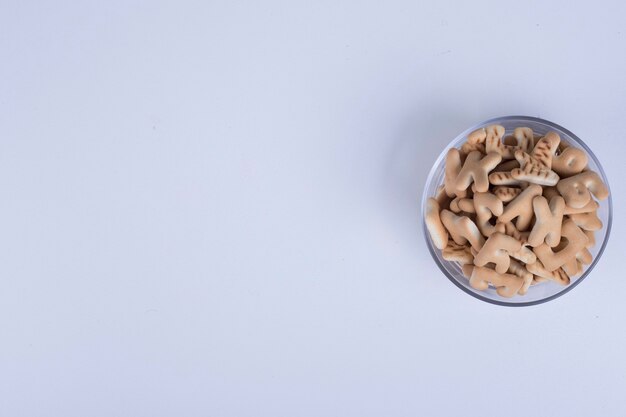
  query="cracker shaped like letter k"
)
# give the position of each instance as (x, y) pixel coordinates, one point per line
(549, 218)
(476, 169)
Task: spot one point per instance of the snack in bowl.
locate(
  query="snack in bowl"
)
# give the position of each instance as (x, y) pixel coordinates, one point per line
(518, 211)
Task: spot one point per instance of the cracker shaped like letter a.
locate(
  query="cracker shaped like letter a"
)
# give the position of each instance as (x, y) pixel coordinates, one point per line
(549, 218)
(462, 229)
(576, 241)
(507, 285)
(577, 190)
(476, 169)
(521, 207)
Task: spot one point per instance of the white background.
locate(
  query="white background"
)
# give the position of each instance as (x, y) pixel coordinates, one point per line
(212, 208)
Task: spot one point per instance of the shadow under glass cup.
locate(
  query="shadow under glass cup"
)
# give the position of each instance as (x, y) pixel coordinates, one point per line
(541, 292)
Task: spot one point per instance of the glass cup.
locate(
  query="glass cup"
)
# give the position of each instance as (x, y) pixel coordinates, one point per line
(545, 291)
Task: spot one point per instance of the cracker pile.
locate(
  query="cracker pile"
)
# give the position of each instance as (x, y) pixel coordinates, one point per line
(516, 211)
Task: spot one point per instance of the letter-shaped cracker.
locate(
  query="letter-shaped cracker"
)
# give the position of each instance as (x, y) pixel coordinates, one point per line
(462, 229)
(476, 169)
(506, 194)
(532, 170)
(457, 253)
(544, 150)
(493, 142)
(438, 232)
(498, 249)
(486, 206)
(577, 190)
(507, 285)
(453, 167)
(559, 276)
(587, 221)
(576, 241)
(521, 207)
(570, 162)
(548, 219)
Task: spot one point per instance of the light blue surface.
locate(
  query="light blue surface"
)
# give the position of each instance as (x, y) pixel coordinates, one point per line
(212, 208)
